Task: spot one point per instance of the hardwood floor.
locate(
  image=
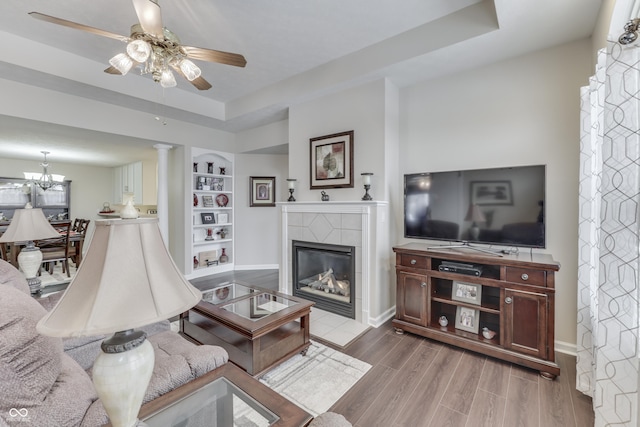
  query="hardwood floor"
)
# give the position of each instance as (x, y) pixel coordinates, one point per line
(417, 382)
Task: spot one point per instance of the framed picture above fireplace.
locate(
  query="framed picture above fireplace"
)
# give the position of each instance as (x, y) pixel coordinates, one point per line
(332, 161)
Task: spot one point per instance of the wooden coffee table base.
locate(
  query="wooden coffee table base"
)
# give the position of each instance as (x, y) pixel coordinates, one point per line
(254, 346)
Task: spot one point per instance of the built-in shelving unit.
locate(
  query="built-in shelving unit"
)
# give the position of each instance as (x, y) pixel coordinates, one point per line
(211, 213)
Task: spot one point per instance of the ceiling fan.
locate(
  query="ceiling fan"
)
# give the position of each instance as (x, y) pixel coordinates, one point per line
(154, 48)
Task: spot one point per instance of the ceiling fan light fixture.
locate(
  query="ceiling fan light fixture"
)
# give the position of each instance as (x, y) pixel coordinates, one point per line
(190, 70)
(121, 62)
(167, 79)
(139, 50)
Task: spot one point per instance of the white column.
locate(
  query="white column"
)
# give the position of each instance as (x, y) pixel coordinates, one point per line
(163, 191)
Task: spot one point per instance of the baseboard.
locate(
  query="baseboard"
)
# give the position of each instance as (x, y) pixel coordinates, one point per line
(384, 317)
(257, 267)
(566, 348)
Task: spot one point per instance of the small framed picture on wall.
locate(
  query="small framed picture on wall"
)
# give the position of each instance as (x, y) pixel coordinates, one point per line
(262, 190)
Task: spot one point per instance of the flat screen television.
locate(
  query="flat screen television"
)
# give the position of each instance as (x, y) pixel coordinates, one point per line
(498, 206)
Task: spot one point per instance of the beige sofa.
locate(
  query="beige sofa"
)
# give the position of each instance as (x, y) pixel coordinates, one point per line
(46, 381)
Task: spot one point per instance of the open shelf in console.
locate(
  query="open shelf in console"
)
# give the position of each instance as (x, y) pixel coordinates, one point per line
(489, 271)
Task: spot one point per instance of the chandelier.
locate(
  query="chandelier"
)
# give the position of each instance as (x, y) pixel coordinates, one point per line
(155, 56)
(44, 180)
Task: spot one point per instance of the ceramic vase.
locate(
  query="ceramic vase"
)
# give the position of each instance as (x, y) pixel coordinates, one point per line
(224, 258)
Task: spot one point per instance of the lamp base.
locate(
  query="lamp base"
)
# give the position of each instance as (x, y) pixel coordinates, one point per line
(367, 196)
(35, 285)
(121, 374)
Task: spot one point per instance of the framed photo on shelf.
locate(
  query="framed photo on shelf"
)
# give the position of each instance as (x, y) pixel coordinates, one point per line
(208, 217)
(263, 191)
(207, 201)
(223, 218)
(332, 161)
(466, 292)
(467, 319)
(491, 193)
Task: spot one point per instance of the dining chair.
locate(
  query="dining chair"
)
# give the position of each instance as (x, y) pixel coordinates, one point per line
(77, 240)
(57, 249)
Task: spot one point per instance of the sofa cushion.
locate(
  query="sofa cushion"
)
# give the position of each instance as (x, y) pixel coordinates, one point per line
(178, 361)
(11, 276)
(34, 372)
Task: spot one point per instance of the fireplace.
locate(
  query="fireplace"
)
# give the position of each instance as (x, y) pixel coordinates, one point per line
(325, 274)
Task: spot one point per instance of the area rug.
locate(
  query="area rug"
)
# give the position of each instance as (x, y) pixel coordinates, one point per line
(317, 380)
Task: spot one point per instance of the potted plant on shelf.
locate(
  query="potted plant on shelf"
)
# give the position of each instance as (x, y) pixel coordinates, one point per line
(222, 233)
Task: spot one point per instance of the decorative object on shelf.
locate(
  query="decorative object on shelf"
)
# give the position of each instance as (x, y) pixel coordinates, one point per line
(209, 234)
(131, 253)
(223, 170)
(488, 333)
(466, 292)
(195, 200)
(218, 184)
(200, 183)
(195, 262)
(332, 161)
(223, 218)
(262, 191)
(207, 201)
(224, 257)
(467, 319)
(128, 211)
(324, 196)
(291, 183)
(195, 166)
(44, 180)
(222, 233)
(209, 167)
(207, 217)
(208, 257)
(222, 200)
(27, 225)
(475, 215)
(443, 321)
(366, 180)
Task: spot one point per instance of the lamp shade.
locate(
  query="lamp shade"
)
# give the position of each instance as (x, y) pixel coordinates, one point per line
(126, 280)
(475, 214)
(28, 224)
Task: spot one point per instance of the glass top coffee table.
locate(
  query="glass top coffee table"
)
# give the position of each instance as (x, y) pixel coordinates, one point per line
(259, 328)
(224, 397)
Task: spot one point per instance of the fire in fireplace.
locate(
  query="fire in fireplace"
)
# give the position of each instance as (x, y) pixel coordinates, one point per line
(325, 273)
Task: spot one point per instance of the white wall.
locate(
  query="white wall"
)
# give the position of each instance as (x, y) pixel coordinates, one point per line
(256, 229)
(518, 112)
(361, 109)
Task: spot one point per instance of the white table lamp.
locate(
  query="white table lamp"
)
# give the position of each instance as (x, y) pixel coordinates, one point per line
(27, 225)
(126, 280)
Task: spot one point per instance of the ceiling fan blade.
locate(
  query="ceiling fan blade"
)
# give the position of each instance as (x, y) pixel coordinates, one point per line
(113, 70)
(149, 16)
(211, 55)
(77, 26)
(200, 83)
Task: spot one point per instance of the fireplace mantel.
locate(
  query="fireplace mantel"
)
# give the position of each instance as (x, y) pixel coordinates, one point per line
(364, 225)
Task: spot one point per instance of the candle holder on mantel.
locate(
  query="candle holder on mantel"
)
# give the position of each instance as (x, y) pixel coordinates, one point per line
(291, 182)
(366, 179)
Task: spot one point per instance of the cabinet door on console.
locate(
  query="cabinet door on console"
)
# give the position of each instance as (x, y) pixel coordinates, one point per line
(412, 298)
(526, 322)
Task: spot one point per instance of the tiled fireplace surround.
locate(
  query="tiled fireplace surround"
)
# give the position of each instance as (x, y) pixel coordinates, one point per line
(360, 224)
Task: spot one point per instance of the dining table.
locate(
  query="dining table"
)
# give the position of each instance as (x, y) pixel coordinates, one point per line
(12, 249)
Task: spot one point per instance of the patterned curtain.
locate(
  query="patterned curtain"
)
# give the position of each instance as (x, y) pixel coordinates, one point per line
(609, 251)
